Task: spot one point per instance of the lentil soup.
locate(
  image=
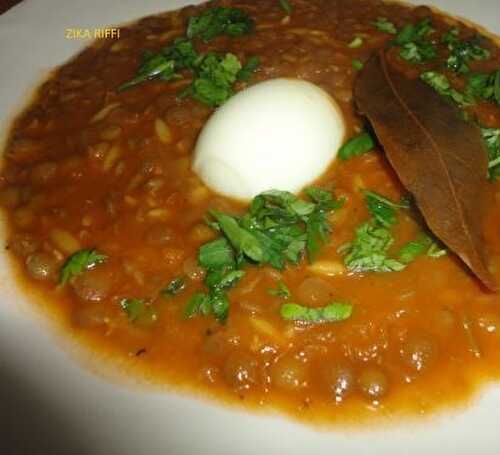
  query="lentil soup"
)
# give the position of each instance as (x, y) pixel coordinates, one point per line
(109, 222)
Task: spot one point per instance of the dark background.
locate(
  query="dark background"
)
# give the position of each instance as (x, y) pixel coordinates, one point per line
(6, 4)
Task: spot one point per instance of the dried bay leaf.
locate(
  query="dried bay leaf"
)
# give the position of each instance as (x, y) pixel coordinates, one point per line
(438, 157)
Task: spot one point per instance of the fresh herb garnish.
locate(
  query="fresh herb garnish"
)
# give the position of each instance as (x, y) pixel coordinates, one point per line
(369, 251)
(485, 86)
(333, 312)
(412, 39)
(138, 311)
(214, 79)
(356, 146)
(164, 65)
(286, 6)
(491, 137)
(176, 286)
(385, 26)
(281, 291)
(356, 42)
(425, 244)
(418, 52)
(279, 228)
(79, 262)
(382, 209)
(219, 21)
(357, 64)
(251, 65)
(462, 52)
(441, 84)
(414, 32)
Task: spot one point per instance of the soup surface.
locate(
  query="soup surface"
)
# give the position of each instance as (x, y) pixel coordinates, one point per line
(132, 252)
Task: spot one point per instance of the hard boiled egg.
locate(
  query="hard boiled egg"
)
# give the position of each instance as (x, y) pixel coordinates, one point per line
(278, 134)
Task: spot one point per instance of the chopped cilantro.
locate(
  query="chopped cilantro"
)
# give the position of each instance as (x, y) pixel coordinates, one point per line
(356, 146)
(385, 26)
(79, 262)
(138, 311)
(357, 64)
(418, 52)
(368, 252)
(333, 312)
(414, 47)
(485, 86)
(164, 65)
(278, 228)
(286, 6)
(356, 42)
(282, 291)
(462, 52)
(176, 286)
(414, 32)
(491, 137)
(251, 65)
(441, 84)
(382, 209)
(218, 21)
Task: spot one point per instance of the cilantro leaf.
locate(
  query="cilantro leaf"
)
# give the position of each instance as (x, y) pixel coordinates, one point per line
(356, 42)
(251, 65)
(415, 52)
(356, 146)
(176, 286)
(218, 21)
(414, 32)
(199, 303)
(357, 64)
(333, 312)
(138, 311)
(241, 239)
(216, 254)
(282, 291)
(383, 209)
(79, 262)
(491, 137)
(485, 86)
(286, 6)
(164, 65)
(368, 252)
(462, 52)
(385, 26)
(441, 84)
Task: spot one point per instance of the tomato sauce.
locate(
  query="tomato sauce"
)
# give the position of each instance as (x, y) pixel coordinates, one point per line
(87, 166)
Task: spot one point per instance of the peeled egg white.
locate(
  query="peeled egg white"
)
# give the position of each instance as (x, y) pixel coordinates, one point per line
(278, 134)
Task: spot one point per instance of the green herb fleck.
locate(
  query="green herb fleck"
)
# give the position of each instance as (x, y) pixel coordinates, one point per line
(79, 262)
(139, 312)
(246, 72)
(485, 86)
(383, 209)
(357, 64)
(441, 84)
(491, 137)
(281, 291)
(164, 65)
(356, 42)
(385, 26)
(462, 52)
(333, 312)
(356, 146)
(286, 6)
(219, 21)
(176, 286)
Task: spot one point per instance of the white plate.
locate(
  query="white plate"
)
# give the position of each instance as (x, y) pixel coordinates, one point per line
(50, 405)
